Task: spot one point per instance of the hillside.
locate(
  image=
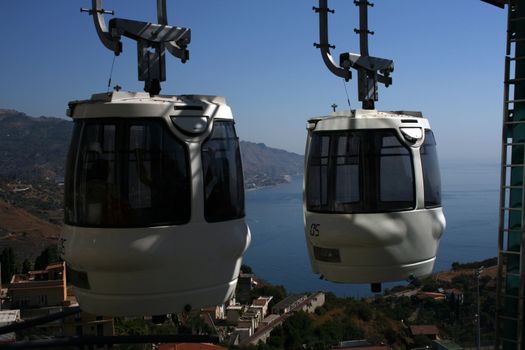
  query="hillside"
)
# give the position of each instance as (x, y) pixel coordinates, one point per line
(30, 216)
(34, 148)
(265, 166)
(27, 234)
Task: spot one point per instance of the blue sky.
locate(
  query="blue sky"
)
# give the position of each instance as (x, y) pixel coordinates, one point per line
(448, 55)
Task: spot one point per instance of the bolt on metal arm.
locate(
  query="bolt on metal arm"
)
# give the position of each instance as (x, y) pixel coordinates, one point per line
(152, 41)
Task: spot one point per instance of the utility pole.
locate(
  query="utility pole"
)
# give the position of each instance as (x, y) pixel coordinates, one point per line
(478, 315)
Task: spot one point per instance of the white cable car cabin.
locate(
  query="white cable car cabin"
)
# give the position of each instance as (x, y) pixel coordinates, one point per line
(372, 196)
(154, 204)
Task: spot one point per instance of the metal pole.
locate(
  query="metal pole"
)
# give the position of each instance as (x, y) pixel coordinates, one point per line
(367, 84)
(478, 315)
(363, 27)
(478, 326)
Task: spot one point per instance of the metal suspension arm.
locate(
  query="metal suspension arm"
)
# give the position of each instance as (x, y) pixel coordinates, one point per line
(108, 40)
(324, 45)
(176, 48)
(152, 41)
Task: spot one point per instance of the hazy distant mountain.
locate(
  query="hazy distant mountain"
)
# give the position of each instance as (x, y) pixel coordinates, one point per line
(267, 166)
(35, 148)
(32, 147)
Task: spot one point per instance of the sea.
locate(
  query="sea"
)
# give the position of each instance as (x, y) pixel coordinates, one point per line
(278, 251)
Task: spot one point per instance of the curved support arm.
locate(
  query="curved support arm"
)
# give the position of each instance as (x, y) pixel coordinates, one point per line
(112, 43)
(324, 44)
(179, 48)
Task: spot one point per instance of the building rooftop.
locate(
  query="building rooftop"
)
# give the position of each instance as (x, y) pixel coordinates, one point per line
(424, 330)
(234, 307)
(271, 318)
(55, 266)
(288, 301)
(262, 301)
(53, 272)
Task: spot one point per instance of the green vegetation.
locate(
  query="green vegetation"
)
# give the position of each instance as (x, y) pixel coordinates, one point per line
(186, 323)
(43, 198)
(246, 269)
(8, 264)
(48, 256)
(449, 303)
(26, 266)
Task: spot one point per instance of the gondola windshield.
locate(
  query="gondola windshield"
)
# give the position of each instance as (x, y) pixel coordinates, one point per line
(126, 173)
(359, 171)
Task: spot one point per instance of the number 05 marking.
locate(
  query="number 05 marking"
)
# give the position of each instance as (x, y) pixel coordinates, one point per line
(314, 230)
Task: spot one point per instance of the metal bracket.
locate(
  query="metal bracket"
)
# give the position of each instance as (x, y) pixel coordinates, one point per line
(325, 9)
(362, 2)
(152, 41)
(371, 70)
(324, 46)
(359, 31)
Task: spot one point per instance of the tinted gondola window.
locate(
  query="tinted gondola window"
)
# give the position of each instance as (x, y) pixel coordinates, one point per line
(347, 193)
(126, 173)
(396, 182)
(222, 171)
(359, 171)
(318, 172)
(70, 176)
(431, 175)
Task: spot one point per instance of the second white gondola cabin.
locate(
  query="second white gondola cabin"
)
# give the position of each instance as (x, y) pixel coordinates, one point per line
(372, 196)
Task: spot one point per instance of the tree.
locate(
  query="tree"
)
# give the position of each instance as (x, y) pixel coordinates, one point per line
(48, 256)
(26, 266)
(246, 269)
(298, 330)
(276, 339)
(7, 261)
